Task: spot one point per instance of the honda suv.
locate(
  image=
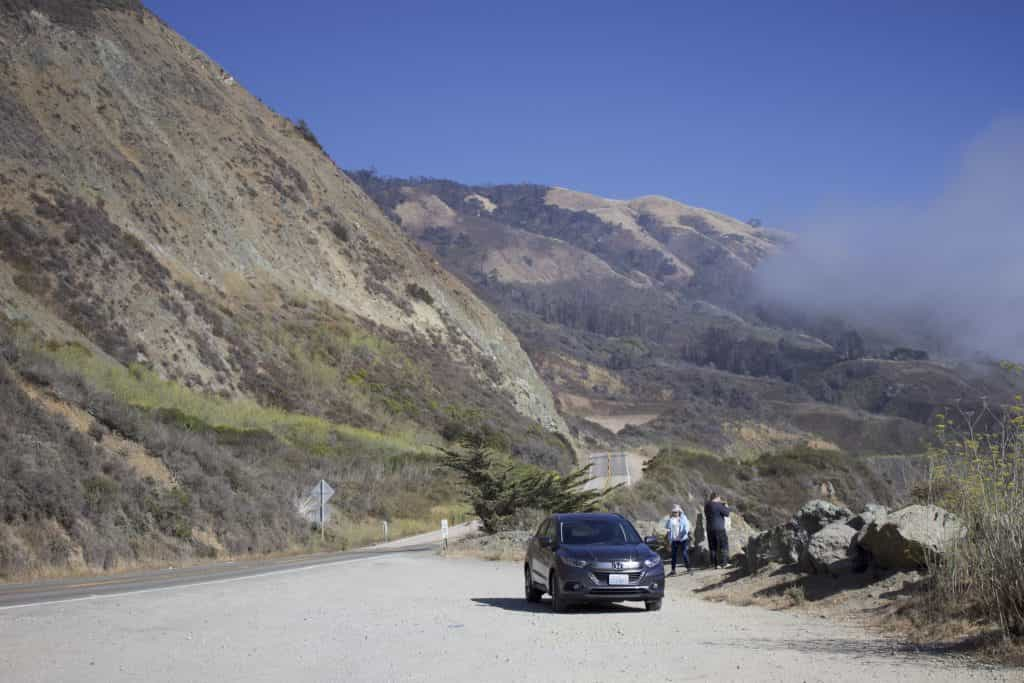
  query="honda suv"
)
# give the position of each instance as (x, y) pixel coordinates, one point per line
(592, 557)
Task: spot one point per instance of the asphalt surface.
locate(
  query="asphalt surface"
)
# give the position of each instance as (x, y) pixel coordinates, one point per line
(60, 590)
(609, 469)
(85, 588)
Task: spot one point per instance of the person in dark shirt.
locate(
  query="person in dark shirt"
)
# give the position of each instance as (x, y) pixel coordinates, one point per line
(715, 512)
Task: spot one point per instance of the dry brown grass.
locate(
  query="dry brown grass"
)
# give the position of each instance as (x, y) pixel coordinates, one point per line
(978, 473)
(500, 547)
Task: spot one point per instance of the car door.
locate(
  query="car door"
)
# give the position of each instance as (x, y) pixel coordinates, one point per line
(541, 564)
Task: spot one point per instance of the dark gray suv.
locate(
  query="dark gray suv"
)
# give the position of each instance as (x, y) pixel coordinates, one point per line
(592, 557)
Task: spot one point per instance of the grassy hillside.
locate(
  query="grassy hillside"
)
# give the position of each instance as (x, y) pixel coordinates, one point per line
(105, 467)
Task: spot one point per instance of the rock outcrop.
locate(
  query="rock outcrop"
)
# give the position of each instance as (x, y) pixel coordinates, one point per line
(782, 544)
(824, 538)
(786, 543)
(909, 538)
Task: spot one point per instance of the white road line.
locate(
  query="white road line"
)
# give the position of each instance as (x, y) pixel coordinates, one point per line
(122, 594)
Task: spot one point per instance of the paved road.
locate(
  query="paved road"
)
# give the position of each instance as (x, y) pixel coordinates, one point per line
(609, 469)
(15, 595)
(416, 616)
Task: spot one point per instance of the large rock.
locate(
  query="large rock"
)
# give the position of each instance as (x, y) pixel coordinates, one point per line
(830, 551)
(818, 514)
(909, 538)
(786, 543)
(783, 544)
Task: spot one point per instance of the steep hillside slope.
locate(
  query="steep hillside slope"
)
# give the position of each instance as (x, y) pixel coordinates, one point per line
(642, 313)
(173, 250)
(159, 209)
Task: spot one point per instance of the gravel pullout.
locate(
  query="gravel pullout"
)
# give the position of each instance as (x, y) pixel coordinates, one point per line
(415, 617)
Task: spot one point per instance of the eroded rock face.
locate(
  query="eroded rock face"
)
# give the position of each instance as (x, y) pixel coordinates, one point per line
(166, 216)
(830, 551)
(908, 538)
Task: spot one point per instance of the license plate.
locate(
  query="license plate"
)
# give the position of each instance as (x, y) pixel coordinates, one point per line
(618, 579)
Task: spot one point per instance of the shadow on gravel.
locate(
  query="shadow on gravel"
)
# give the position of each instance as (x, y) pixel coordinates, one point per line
(521, 605)
(860, 648)
(838, 646)
(731, 575)
(815, 587)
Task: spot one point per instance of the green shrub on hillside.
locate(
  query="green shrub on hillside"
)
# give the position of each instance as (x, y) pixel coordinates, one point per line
(500, 491)
(420, 293)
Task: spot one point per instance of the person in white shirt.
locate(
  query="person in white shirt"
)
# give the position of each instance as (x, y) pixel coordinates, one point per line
(678, 537)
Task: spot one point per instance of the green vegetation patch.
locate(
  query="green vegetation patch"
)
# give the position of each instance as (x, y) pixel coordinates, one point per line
(192, 410)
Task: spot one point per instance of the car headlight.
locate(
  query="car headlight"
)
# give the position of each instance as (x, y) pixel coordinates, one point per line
(573, 562)
(652, 561)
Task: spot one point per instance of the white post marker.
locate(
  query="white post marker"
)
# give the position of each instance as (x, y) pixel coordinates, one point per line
(444, 535)
(385, 531)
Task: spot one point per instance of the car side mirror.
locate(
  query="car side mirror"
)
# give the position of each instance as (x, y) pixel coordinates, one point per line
(650, 540)
(544, 541)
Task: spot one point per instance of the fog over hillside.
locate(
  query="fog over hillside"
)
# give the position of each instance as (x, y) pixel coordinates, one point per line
(951, 267)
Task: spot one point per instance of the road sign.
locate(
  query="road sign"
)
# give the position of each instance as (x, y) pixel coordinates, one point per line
(322, 492)
(322, 488)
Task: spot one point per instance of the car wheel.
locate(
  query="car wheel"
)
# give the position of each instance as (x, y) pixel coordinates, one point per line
(532, 594)
(653, 605)
(558, 603)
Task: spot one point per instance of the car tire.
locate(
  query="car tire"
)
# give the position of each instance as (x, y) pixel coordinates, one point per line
(653, 605)
(532, 593)
(558, 603)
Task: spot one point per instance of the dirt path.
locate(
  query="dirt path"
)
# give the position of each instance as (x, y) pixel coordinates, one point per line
(415, 617)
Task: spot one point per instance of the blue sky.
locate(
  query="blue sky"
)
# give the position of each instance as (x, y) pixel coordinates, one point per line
(767, 109)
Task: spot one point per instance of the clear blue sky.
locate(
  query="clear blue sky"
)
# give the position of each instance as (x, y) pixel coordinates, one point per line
(765, 109)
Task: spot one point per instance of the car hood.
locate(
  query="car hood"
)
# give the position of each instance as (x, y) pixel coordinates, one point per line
(607, 553)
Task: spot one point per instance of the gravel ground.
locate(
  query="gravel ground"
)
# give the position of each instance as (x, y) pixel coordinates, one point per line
(422, 617)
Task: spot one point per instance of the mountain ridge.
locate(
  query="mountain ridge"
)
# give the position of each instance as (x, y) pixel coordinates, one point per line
(644, 312)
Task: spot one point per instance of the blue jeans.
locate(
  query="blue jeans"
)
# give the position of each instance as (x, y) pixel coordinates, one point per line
(684, 546)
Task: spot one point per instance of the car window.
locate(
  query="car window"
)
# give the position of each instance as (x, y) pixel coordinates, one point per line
(598, 532)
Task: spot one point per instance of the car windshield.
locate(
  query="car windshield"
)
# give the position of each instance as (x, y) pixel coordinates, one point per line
(599, 532)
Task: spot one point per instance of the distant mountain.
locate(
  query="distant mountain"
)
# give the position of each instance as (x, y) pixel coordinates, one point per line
(642, 316)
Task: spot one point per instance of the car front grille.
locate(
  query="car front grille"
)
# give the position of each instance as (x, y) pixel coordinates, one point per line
(601, 577)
